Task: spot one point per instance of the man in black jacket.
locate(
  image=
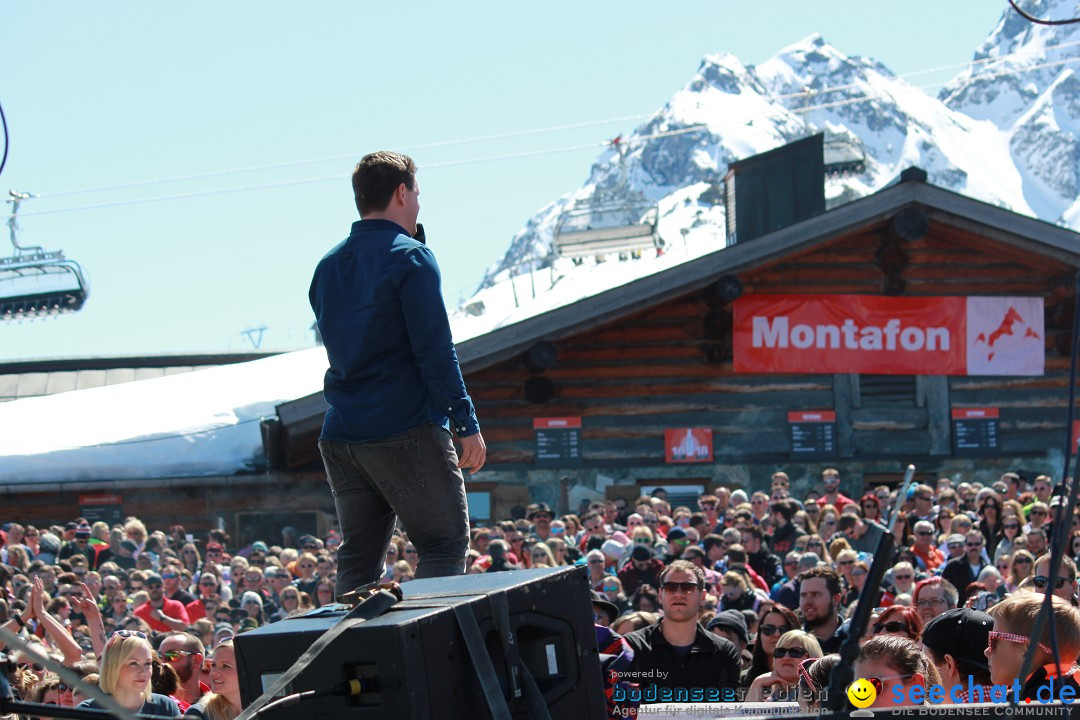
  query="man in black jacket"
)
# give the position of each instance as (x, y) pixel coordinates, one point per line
(764, 563)
(784, 534)
(677, 659)
(964, 570)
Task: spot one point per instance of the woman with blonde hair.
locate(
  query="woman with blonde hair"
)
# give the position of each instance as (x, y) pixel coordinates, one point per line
(1021, 568)
(223, 700)
(541, 556)
(126, 669)
(782, 683)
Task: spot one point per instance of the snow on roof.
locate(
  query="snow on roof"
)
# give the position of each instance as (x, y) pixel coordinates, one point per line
(195, 424)
(206, 422)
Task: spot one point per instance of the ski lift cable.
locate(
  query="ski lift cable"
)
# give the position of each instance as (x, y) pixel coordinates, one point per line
(1070, 21)
(487, 138)
(3, 122)
(492, 158)
(343, 156)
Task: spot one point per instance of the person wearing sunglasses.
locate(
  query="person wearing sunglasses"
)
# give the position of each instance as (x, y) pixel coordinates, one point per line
(1008, 530)
(184, 653)
(1038, 514)
(775, 621)
(126, 668)
(677, 652)
(1010, 640)
(963, 570)
(830, 478)
(955, 642)
(1022, 567)
(1064, 585)
(643, 568)
(897, 620)
(781, 684)
(894, 666)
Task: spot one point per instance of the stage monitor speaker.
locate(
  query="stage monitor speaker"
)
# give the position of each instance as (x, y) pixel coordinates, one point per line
(415, 660)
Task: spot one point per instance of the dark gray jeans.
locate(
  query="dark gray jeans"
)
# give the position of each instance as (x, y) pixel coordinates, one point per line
(412, 476)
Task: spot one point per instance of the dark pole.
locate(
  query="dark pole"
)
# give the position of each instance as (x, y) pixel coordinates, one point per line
(844, 672)
(1062, 520)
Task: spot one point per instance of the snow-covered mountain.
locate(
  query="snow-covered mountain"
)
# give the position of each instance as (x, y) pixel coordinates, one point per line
(1006, 130)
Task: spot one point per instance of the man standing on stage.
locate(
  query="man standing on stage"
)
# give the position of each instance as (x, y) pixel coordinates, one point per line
(394, 386)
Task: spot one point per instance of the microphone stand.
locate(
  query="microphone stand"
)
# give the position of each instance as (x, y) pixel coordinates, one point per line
(843, 674)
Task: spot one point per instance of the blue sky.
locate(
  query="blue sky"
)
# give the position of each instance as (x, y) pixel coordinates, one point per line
(115, 93)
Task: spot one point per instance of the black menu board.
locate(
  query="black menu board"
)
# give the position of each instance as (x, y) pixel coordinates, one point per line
(558, 440)
(975, 431)
(813, 434)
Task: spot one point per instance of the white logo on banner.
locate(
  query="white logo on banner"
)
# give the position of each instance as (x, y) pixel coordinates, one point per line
(1005, 336)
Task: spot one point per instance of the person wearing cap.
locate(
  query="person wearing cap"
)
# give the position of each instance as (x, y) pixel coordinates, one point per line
(955, 642)
(604, 611)
(731, 624)
(124, 557)
(159, 612)
(677, 541)
(643, 568)
(80, 545)
(963, 570)
(540, 515)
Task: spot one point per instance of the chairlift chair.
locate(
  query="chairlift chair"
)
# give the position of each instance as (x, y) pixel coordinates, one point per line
(615, 220)
(843, 156)
(596, 228)
(36, 282)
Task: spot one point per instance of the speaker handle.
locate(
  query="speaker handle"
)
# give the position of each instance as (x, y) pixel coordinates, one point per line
(518, 671)
(485, 671)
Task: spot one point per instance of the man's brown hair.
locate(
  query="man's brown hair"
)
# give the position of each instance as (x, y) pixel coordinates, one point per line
(684, 566)
(1017, 613)
(377, 176)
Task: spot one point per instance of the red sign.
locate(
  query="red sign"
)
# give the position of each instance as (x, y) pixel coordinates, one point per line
(101, 500)
(554, 423)
(974, 413)
(811, 416)
(889, 335)
(688, 445)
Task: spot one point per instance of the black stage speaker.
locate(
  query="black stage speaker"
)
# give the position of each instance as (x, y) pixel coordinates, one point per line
(416, 662)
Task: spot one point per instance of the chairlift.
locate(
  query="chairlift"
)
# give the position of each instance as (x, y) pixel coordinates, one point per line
(610, 221)
(35, 282)
(843, 156)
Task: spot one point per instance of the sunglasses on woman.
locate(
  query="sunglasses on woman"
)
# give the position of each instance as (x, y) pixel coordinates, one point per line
(130, 633)
(879, 682)
(893, 626)
(770, 630)
(791, 652)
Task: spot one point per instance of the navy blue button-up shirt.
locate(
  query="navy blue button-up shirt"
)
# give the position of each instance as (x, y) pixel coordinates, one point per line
(393, 366)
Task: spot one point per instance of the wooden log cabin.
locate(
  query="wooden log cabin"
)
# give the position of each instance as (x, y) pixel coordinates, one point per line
(657, 355)
(597, 384)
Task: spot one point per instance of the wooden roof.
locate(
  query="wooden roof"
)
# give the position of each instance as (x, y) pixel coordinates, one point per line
(1002, 230)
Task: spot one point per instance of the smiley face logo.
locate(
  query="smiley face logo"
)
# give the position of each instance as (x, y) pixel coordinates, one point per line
(862, 693)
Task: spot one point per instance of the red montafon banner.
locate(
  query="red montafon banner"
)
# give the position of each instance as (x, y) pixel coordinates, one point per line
(889, 335)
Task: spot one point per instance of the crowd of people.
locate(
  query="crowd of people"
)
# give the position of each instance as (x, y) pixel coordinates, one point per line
(746, 596)
(148, 617)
